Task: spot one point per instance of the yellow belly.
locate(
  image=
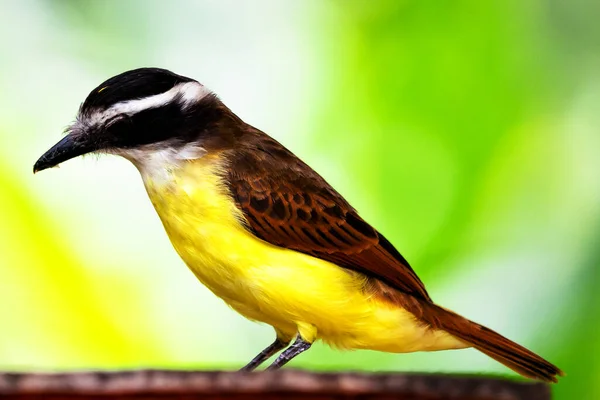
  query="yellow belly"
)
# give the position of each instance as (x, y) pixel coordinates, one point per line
(289, 290)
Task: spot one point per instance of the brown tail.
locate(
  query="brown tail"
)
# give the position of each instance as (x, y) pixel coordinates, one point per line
(501, 349)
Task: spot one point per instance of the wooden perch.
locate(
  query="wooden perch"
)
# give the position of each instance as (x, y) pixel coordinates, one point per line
(285, 384)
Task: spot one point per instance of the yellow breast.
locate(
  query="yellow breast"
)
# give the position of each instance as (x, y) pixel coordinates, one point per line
(281, 287)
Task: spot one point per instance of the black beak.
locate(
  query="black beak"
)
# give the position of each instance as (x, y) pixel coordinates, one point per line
(70, 146)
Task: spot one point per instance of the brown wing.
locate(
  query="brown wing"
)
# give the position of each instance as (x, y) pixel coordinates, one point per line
(289, 205)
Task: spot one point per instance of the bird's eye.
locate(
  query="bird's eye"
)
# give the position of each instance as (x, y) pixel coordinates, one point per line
(113, 120)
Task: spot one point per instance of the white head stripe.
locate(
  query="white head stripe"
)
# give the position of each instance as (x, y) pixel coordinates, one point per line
(186, 93)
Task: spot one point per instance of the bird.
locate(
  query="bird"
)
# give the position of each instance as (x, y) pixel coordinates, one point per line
(265, 232)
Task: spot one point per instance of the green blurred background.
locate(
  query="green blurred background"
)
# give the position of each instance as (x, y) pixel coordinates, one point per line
(466, 131)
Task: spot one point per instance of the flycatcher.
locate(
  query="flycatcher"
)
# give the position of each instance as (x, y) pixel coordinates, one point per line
(265, 232)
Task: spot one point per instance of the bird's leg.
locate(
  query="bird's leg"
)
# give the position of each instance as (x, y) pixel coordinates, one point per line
(279, 344)
(307, 334)
(299, 346)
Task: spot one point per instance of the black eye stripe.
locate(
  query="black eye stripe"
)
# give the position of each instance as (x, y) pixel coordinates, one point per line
(129, 111)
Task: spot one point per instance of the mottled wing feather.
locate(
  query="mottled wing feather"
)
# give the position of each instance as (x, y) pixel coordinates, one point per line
(289, 205)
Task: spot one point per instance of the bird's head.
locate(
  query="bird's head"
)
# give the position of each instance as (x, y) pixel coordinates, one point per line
(133, 113)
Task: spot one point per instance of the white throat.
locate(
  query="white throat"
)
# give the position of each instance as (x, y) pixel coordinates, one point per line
(158, 162)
